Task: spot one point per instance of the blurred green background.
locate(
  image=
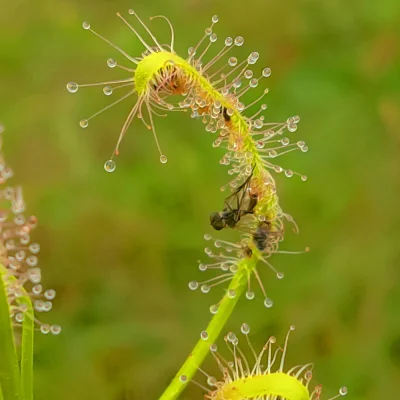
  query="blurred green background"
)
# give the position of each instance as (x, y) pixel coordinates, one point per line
(120, 248)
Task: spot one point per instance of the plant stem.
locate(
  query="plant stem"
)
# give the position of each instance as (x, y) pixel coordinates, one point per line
(200, 351)
(27, 349)
(9, 371)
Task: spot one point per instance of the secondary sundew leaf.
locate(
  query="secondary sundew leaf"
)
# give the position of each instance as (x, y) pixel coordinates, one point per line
(19, 257)
(261, 375)
(10, 384)
(21, 279)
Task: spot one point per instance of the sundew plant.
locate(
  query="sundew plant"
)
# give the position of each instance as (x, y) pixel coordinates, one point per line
(21, 294)
(214, 86)
(227, 94)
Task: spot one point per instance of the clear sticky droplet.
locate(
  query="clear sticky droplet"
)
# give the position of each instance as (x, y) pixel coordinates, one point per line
(343, 391)
(268, 303)
(107, 90)
(228, 41)
(55, 329)
(72, 87)
(45, 329)
(213, 309)
(204, 335)
(250, 295)
(111, 63)
(84, 123)
(163, 159)
(86, 25)
(245, 328)
(266, 72)
(213, 38)
(239, 41)
(109, 166)
(215, 19)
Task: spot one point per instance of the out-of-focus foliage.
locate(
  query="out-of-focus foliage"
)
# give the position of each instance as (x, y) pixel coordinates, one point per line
(120, 248)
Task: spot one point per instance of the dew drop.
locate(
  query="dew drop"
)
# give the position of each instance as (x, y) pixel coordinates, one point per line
(213, 38)
(32, 261)
(214, 309)
(84, 123)
(37, 289)
(204, 335)
(233, 268)
(207, 236)
(163, 159)
(228, 41)
(303, 178)
(231, 293)
(19, 317)
(109, 166)
(50, 294)
(47, 306)
(248, 74)
(34, 248)
(231, 337)
(203, 267)
(72, 87)
(266, 72)
(211, 381)
(193, 285)
(239, 41)
(343, 391)
(232, 61)
(225, 267)
(292, 127)
(213, 348)
(107, 90)
(280, 275)
(55, 329)
(250, 295)
(245, 328)
(205, 288)
(86, 25)
(111, 63)
(268, 303)
(183, 379)
(45, 329)
(214, 19)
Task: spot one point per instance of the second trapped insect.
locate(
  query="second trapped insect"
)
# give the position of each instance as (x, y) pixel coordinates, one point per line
(264, 236)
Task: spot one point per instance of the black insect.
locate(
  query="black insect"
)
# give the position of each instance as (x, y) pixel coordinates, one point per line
(238, 204)
(264, 235)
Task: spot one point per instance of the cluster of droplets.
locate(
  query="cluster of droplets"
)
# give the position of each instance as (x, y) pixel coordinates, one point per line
(18, 257)
(238, 374)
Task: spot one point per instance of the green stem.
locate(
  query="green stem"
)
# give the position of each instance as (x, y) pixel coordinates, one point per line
(9, 371)
(27, 349)
(200, 351)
